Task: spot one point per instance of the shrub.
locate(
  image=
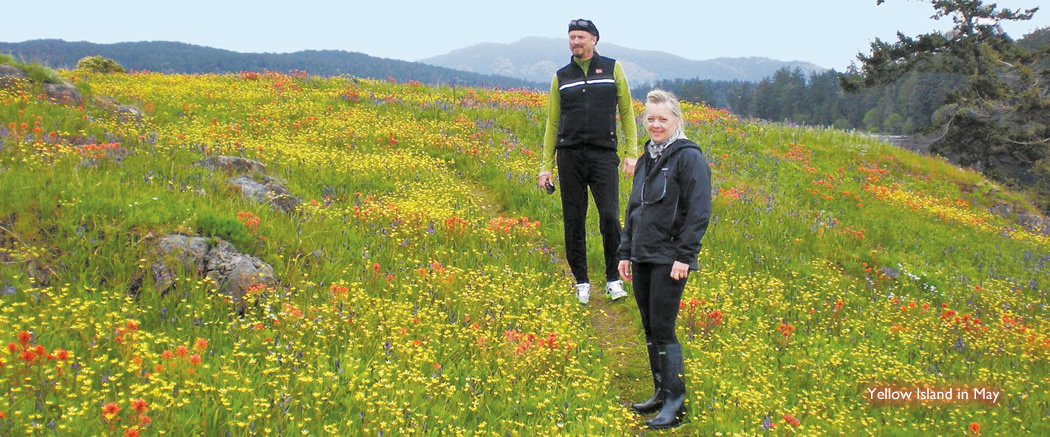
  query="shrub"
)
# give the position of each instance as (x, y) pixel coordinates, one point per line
(228, 228)
(98, 64)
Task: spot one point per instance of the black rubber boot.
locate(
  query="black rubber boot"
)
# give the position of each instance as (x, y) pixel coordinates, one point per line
(657, 400)
(673, 410)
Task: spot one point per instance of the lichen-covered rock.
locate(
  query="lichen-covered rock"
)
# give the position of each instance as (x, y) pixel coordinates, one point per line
(126, 113)
(266, 190)
(1034, 223)
(231, 164)
(262, 189)
(11, 76)
(233, 273)
(890, 272)
(63, 94)
(105, 102)
(189, 253)
(236, 273)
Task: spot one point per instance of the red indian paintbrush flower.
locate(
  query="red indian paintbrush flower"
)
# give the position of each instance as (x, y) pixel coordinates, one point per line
(139, 405)
(110, 410)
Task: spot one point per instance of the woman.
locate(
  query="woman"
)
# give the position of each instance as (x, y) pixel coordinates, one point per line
(667, 216)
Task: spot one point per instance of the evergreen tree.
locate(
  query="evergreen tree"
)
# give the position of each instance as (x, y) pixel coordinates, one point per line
(997, 121)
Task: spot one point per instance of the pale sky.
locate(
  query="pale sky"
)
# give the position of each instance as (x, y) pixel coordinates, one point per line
(828, 33)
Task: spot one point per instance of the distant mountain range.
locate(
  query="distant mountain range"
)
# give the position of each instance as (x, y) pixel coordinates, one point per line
(528, 63)
(176, 57)
(536, 59)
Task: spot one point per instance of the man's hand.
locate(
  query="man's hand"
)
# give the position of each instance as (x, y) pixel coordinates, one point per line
(625, 270)
(628, 166)
(544, 179)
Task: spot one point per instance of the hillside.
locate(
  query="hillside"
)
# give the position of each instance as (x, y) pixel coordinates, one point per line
(407, 274)
(1038, 41)
(176, 57)
(536, 59)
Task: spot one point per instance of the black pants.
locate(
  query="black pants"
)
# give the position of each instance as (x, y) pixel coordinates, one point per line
(579, 169)
(658, 297)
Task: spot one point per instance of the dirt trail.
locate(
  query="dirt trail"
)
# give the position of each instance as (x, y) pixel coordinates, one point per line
(615, 328)
(624, 353)
(618, 338)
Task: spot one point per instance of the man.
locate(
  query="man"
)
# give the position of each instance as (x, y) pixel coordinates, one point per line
(585, 97)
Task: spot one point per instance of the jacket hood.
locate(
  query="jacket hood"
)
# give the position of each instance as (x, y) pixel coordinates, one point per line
(671, 150)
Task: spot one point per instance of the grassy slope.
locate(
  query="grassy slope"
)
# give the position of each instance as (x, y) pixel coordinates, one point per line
(835, 264)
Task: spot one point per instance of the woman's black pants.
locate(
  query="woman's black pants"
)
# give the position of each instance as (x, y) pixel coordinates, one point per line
(658, 297)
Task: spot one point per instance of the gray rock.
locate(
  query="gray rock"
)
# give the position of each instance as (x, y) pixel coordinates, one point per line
(231, 164)
(1035, 223)
(126, 113)
(235, 273)
(190, 253)
(11, 76)
(63, 94)
(39, 271)
(890, 272)
(266, 190)
(105, 102)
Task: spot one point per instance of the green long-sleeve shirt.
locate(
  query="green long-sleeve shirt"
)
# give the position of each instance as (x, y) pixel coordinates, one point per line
(623, 105)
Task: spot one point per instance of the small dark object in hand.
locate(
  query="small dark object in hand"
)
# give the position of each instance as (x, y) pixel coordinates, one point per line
(549, 186)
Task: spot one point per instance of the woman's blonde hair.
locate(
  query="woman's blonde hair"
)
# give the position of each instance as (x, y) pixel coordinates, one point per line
(658, 96)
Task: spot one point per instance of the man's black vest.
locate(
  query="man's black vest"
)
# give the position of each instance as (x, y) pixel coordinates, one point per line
(588, 105)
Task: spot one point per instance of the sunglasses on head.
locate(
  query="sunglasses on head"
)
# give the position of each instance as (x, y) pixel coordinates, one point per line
(581, 23)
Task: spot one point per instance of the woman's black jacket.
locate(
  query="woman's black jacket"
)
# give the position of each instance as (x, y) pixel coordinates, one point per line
(669, 207)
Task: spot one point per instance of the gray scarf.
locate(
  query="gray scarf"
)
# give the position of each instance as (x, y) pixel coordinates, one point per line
(656, 149)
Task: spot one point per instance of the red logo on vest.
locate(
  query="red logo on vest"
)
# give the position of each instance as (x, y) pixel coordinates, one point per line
(598, 70)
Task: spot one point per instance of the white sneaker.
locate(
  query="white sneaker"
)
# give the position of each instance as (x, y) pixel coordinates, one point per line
(583, 292)
(614, 289)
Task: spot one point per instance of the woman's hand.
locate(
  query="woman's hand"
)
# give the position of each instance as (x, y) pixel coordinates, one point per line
(625, 270)
(679, 270)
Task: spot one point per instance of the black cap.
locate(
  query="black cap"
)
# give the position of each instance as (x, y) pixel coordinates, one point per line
(584, 25)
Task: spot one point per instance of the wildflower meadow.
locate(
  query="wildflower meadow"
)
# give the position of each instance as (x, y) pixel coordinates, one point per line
(419, 286)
